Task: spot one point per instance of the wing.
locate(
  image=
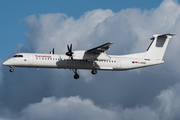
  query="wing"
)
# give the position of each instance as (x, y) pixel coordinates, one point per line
(99, 49)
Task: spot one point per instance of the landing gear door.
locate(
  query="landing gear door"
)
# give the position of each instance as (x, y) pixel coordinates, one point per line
(31, 59)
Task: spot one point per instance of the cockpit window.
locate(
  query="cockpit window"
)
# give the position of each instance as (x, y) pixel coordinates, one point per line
(18, 56)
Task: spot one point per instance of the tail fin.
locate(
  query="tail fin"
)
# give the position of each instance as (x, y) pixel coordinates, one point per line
(158, 46)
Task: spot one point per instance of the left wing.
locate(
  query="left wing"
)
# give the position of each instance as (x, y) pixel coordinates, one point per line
(100, 49)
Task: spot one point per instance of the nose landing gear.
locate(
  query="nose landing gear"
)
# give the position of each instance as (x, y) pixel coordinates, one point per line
(76, 76)
(11, 69)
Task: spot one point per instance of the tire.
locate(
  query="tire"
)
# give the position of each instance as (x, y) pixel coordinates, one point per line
(76, 76)
(94, 72)
(11, 70)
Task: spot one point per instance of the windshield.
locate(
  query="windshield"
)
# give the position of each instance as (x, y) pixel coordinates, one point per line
(18, 56)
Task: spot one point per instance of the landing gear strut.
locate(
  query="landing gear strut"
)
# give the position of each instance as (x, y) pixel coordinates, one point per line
(11, 69)
(76, 76)
(94, 71)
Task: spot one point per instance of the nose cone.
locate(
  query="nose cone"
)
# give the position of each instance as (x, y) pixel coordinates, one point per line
(7, 63)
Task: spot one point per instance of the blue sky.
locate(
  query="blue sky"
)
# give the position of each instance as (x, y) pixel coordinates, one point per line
(13, 28)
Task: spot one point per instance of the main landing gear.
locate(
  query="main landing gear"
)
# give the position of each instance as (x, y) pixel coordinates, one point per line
(94, 71)
(76, 76)
(11, 69)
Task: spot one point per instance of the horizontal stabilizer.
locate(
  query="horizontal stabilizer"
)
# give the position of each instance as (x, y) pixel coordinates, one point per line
(162, 35)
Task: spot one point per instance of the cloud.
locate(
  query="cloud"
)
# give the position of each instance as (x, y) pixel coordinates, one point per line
(170, 103)
(67, 109)
(152, 93)
(58, 30)
(164, 107)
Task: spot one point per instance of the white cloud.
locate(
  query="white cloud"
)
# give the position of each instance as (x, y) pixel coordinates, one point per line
(67, 109)
(58, 30)
(139, 113)
(77, 108)
(169, 103)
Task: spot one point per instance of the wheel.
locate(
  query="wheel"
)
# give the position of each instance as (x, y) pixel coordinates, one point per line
(76, 76)
(94, 72)
(11, 70)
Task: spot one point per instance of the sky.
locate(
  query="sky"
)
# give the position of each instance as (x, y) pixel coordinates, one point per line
(150, 93)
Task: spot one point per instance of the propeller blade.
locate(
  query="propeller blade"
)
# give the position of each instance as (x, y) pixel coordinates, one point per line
(71, 48)
(68, 48)
(53, 51)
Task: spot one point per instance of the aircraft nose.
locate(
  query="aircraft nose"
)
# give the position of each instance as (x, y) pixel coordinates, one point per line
(6, 63)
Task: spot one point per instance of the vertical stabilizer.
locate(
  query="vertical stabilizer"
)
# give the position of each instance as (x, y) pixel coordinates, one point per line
(158, 46)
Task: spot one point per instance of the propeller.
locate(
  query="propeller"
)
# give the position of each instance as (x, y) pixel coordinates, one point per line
(52, 51)
(69, 53)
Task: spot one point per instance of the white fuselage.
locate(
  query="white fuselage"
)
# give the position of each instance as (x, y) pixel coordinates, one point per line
(125, 62)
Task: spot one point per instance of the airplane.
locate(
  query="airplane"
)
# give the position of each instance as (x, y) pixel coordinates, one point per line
(93, 59)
